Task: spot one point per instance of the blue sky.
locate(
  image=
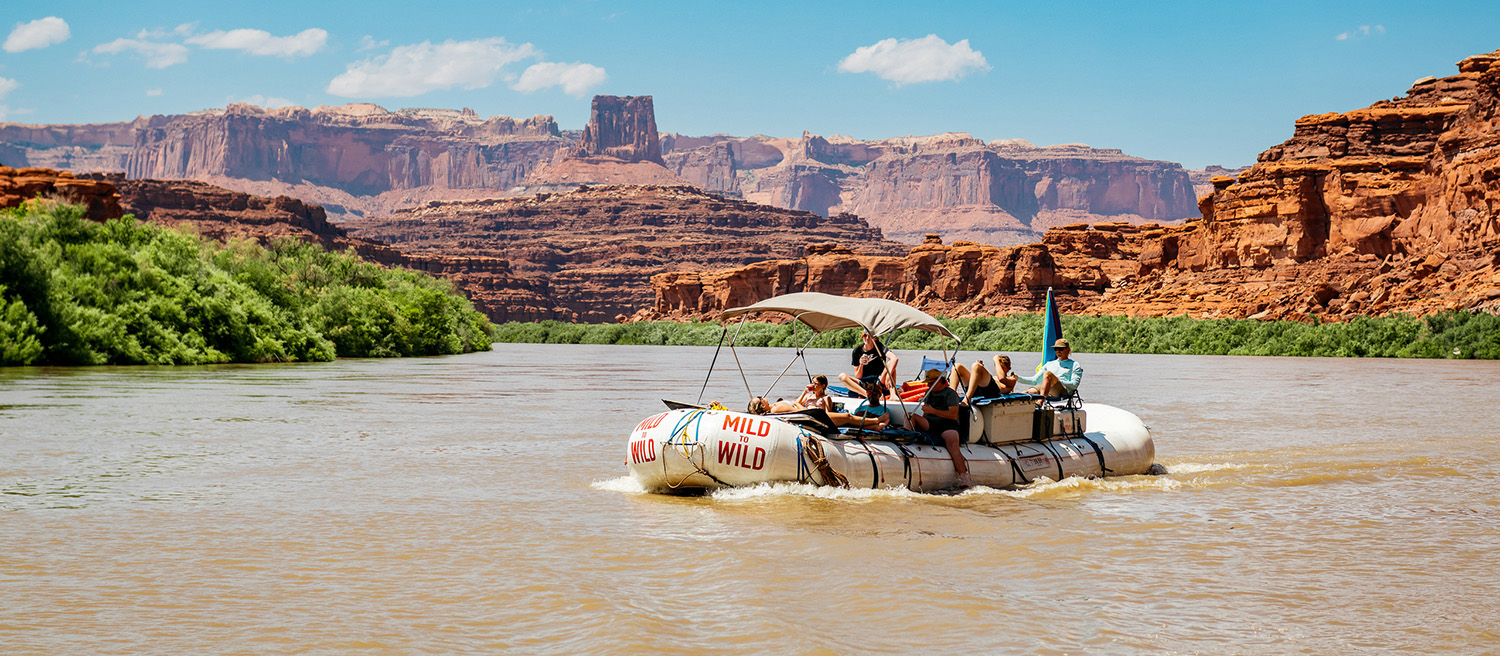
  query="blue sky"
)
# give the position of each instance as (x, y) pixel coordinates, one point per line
(1198, 83)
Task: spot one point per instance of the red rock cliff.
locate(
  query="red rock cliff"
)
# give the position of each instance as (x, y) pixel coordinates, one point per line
(1392, 208)
(597, 247)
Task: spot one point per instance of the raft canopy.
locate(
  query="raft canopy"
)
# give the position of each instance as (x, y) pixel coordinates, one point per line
(825, 312)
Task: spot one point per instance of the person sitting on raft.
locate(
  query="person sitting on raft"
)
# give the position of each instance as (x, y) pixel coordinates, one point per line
(1059, 377)
(939, 419)
(978, 381)
(871, 415)
(760, 405)
(816, 395)
(870, 367)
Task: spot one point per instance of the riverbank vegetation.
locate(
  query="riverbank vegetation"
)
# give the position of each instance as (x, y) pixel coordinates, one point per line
(77, 292)
(1445, 335)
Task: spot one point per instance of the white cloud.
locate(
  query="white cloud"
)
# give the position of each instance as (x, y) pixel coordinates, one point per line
(413, 70)
(907, 61)
(368, 42)
(271, 102)
(153, 92)
(39, 33)
(261, 42)
(158, 55)
(1361, 32)
(575, 78)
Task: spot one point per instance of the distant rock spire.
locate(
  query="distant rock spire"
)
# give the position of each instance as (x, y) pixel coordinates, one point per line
(623, 127)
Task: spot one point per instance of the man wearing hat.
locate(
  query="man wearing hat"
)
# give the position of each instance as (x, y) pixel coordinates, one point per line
(1059, 377)
(939, 419)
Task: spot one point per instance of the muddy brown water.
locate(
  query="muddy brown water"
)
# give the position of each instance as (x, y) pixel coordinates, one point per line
(475, 504)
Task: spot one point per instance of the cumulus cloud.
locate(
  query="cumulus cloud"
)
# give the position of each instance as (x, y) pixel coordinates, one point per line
(368, 42)
(157, 55)
(261, 42)
(908, 61)
(575, 79)
(413, 70)
(1361, 32)
(39, 33)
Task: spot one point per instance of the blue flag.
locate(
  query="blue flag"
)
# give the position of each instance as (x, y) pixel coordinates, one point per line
(1051, 331)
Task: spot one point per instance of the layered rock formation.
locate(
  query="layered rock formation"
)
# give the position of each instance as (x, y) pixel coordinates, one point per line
(356, 158)
(20, 185)
(360, 160)
(623, 127)
(597, 247)
(1392, 208)
(1000, 192)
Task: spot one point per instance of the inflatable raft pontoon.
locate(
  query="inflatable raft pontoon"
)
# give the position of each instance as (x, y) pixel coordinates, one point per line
(1011, 440)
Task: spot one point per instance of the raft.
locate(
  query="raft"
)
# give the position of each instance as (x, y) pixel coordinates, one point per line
(693, 450)
(1010, 441)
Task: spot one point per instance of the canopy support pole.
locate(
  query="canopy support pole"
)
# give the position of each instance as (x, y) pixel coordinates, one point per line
(736, 355)
(715, 361)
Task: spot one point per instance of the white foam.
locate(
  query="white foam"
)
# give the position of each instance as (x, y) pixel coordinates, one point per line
(1198, 468)
(766, 490)
(622, 484)
(1044, 487)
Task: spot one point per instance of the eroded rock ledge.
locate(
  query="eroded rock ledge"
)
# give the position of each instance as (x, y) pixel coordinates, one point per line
(1392, 208)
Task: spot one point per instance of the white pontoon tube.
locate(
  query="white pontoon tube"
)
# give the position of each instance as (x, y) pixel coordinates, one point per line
(1010, 440)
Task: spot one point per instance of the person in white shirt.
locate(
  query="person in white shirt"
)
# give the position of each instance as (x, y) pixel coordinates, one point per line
(1059, 377)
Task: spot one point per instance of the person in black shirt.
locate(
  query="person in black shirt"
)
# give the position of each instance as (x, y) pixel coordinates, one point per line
(939, 419)
(870, 366)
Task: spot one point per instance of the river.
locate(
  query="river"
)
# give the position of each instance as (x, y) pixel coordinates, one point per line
(476, 504)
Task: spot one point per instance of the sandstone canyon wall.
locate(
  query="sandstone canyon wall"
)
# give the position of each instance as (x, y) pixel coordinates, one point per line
(361, 160)
(596, 248)
(357, 158)
(999, 192)
(1392, 208)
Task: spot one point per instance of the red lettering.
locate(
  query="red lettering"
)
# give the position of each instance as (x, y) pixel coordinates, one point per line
(651, 422)
(642, 451)
(765, 429)
(739, 455)
(731, 422)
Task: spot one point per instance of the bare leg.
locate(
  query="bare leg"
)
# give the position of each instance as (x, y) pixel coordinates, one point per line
(955, 451)
(961, 376)
(1050, 386)
(853, 385)
(974, 379)
(918, 422)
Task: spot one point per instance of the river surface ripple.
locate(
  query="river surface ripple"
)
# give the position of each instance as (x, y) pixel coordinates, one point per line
(475, 504)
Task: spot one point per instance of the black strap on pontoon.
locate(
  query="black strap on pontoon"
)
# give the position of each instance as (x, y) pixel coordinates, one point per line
(1097, 452)
(874, 465)
(1015, 464)
(1058, 458)
(906, 456)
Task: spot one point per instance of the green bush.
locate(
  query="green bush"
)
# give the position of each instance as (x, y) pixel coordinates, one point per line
(122, 292)
(1446, 335)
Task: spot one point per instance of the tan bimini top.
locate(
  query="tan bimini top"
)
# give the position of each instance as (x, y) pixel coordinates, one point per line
(825, 312)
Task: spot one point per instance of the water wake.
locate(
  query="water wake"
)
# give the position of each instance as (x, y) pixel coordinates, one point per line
(622, 484)
(766, 490)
